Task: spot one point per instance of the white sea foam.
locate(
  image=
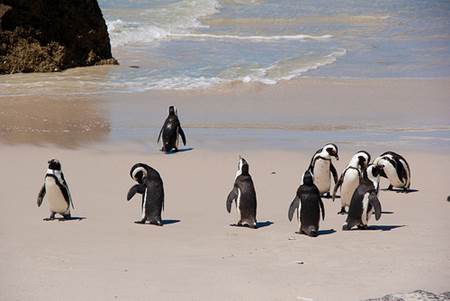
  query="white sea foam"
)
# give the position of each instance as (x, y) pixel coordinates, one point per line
(158, 23)
(250, 38)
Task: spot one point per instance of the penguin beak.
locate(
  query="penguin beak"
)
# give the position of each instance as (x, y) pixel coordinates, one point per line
(337, 156)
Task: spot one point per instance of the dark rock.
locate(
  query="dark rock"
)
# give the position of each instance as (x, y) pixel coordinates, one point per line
(416, 295)
(52, 35)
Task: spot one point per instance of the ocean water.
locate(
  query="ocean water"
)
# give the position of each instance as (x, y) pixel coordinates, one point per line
(196, 44)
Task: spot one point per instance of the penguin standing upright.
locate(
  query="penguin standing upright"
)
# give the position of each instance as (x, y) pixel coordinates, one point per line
(244, 194)
(365, 200)
(350, 178)
(56, 191)
(150, 185)
(321, 168)
(308, 201)
(396, 170)
(170, 132)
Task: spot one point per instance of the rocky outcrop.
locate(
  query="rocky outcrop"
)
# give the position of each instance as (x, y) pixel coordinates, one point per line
(52, 35)
(418, 295)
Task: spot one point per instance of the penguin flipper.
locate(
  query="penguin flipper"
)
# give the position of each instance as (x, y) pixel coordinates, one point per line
(338, 184)
(162, 128)
(41, 196)
(334, 172)
(322, 208)
(231, 197)
(138, 188)
(66, 191)
(183, 137)
(373, 199)
(294, 206)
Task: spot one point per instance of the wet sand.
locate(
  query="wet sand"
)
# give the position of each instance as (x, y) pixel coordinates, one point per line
(403, 113)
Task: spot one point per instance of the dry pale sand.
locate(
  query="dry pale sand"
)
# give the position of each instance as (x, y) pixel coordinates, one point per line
(107, 257)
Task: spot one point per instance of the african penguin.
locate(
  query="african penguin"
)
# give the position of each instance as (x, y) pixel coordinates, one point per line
(150, 185)
(309, 203)
(170, 132)
(396, 170)
(56, 191)
(321, 168)
(365, 200)
(350, 178)
(244, 194)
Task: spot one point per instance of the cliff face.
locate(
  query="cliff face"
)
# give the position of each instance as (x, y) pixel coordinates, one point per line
(52, 35)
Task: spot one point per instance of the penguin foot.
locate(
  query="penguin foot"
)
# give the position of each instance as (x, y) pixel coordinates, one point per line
(156, 223)
(51, 218)
(346, 227)
(362, 227)
(327, 195)
(342, 211)
(142, 221)
(390, 187)
(67, 216)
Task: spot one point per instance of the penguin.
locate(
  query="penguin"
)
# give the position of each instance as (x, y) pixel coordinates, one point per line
(56, 191)
(365, 200)
(321, 167)
(350, 178)
(244, 194)
(396, 170)
(170, 132)
(150, 185)
(308, 201)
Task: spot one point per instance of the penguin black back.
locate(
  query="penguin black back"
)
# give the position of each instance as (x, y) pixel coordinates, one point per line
(244, 194)
(150, 185)
(170, 132)
(310, 203)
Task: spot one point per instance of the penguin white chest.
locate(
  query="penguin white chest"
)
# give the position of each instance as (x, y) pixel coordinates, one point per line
(54, 196)
(322, 176)
(351, 182)
(392, 175)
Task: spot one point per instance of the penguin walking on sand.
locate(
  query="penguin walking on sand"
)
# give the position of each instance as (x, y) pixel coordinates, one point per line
(171, 131)
(244, 194)
(56, 191)
(350, 178)
(309, 203)
(150, 185)
(396, 170)
(365, 200)
(321, 167)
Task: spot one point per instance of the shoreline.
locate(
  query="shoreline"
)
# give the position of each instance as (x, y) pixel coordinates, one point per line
(294, 115)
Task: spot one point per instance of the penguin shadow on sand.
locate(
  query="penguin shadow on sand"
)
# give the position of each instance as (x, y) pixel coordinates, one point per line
(409, 190)
(163, 222)
(65, 219)
(258, 225)
(181, 150)
(379, 228)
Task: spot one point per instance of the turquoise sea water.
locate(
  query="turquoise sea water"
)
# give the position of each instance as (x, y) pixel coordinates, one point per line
(190, 44)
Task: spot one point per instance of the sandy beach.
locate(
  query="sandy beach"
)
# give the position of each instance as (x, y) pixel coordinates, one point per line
(196, 255)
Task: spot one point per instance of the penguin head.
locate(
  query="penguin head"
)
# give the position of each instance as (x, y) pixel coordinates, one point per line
(172, 110)
(363, 158)
(375, 170)
(332, 150)
(308, 178)
(138, 172)
(54, 164)
(243, 166)
(373, 174)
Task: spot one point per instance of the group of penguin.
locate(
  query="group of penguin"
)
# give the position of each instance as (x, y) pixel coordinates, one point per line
(358, 184)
